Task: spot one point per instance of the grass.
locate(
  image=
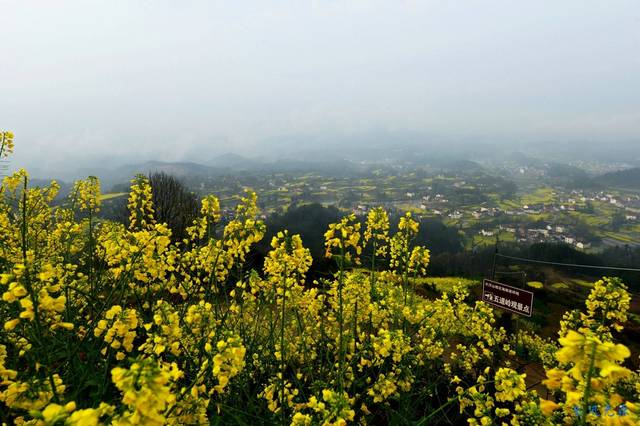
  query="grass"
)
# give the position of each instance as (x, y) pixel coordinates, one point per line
(560, 286)
(544, 195)
(618, 236)
(583, 283)
(408, 207)
(507, 236)
(509, 204)
(443, 284)
(590, 219)
(535, 284)
(104, 197)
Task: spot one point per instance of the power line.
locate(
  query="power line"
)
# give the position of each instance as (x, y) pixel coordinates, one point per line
(510, 272)
(576, 265)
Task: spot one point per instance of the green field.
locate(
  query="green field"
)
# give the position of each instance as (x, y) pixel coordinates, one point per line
(104, 197)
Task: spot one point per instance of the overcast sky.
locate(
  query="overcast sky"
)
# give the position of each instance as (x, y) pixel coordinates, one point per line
(82, 80)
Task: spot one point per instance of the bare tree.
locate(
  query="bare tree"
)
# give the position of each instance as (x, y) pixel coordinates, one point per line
(174, 204)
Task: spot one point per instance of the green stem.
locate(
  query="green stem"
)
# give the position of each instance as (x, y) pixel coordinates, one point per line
(282, 385)
(32, 293)
(373, 272)
(341, 322)
(587, 391)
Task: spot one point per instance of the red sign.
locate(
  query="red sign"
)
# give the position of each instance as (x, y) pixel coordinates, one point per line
(512, 299)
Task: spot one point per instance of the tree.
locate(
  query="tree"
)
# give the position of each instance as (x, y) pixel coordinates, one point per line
(617, 220)
(174, 204)
(311, 222)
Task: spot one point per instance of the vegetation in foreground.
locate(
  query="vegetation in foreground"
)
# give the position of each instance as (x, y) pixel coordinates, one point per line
(107, 323)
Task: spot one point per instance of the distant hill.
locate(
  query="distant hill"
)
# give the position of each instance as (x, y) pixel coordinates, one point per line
(173, 168)
(233, 161)
(522, 159)
(566, 171)
(65, 187)
(223, 165)
(462, 166)
(571, 176)
(125, 173)
(629, 178)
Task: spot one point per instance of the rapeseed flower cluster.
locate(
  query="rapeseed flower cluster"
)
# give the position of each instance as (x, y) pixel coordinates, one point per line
(118, 330)
(141, 211)
(377, 230)
(87, 194)
(343, 239)
(6, 144)
(587, 377)
(146, 391)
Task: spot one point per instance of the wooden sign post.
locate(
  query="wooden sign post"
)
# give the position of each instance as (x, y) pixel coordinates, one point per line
(503, 296)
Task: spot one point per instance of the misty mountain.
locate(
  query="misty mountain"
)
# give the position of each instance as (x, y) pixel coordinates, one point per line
(627, 152)
(629, 178)
(178, 169)
(227, 164)
(233, 161)
(125, 173)
(566, 171)
(65, 187)
(459, 166)
(522, 159)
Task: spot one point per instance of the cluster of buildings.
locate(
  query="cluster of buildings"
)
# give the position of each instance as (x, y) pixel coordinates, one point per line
(550, 233)
(630, 203)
